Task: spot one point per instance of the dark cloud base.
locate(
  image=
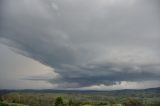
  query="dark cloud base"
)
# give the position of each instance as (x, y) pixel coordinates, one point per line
(86, 42)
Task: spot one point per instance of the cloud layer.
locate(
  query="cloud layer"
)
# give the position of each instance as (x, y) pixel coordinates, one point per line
(86, 42)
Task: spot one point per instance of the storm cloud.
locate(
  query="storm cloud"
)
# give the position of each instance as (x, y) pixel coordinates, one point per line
(86, 42)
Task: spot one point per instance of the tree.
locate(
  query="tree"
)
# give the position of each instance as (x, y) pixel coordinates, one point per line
(3, 104)
(70, 103)
(58, 101)
(1, 99)
(132, 102)
(112, 103)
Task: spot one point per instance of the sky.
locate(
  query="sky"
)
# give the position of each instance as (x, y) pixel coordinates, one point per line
(79, 44)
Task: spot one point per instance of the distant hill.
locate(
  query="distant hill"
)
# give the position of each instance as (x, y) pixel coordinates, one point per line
(112, 92)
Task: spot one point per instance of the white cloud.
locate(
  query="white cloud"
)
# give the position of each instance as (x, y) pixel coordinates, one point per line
(125, 85)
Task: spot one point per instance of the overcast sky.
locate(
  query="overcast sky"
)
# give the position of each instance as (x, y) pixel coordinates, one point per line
(79, 44)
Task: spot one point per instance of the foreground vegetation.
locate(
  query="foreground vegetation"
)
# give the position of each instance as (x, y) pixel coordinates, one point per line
(81, 98)
(4, 103)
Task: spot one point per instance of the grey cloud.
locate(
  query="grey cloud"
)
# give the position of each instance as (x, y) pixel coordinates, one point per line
(87, 42)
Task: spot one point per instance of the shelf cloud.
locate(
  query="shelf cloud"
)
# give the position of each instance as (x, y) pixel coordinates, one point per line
(86, 42)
